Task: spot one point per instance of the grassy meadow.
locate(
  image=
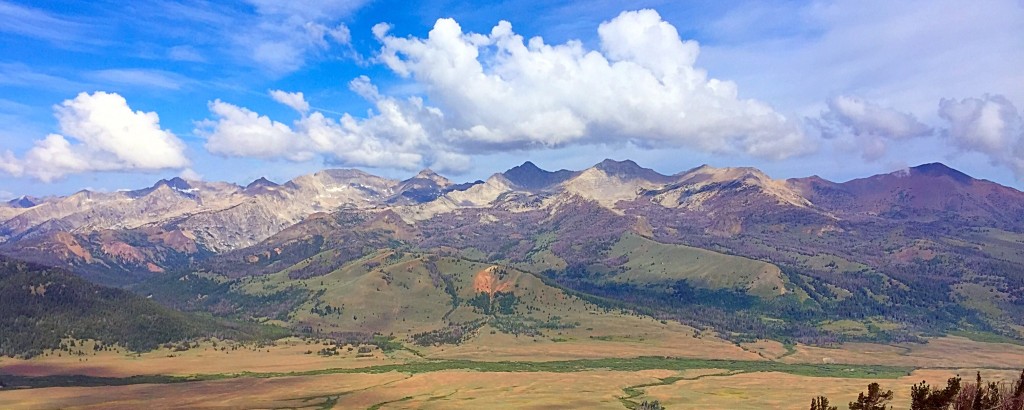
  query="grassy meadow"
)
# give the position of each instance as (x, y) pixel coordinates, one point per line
(450, 332)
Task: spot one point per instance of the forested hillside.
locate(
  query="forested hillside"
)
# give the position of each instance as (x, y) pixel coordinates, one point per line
(41, 306)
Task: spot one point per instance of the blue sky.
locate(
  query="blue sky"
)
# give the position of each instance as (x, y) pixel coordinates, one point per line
(106, 96)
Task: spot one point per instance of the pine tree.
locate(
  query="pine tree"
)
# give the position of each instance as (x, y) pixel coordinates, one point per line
(1017, 399)
(874, 400)
(992, 397)
(1018, 390)
(922, 397)
(821, 403)
(978, 394)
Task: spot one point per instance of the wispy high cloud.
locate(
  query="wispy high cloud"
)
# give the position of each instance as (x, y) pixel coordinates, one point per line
(35, 23)
(273, 37)
(145, 78)
(909, 53)
(101, 133)
(21, 75)
(185, 53)
(307, 9)
(285, 34)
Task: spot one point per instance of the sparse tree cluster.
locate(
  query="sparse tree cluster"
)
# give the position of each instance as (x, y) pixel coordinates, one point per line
(957, 395)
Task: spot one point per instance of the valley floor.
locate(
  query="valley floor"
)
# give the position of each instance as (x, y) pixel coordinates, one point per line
(499, 372)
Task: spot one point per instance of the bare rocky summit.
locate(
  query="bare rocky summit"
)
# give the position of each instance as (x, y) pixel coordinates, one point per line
(176, 221)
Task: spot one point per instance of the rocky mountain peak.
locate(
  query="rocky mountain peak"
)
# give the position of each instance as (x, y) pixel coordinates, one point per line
(482, 194)
(938, 169)
(725, 174)
(262, 182)
(612, 166)
(530, 176)
(706, 185)
(23, 202)
(176, 183)
(429, 174)
(426, 173)
(83, 194)
(628, 169)
(341, 186)
(612, 181)
(425, 186)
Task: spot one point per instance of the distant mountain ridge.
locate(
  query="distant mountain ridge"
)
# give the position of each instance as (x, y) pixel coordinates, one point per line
(731, 248)
(922, 193)
(176, 219)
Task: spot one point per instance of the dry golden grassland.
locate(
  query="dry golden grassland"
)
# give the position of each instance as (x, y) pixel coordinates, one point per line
(619, 336)
(772, 390)
(949, 351)
(691, 389)
(438, 390)
(287, 355)
(594, 387)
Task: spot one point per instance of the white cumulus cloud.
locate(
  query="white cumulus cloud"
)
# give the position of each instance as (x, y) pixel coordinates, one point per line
(869, 125)
(243, 133)
(100, 133)
(499, 91)
(990, 125)
(396, 136)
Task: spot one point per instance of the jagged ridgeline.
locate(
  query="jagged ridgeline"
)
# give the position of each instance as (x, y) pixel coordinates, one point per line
(43, 306)
(895, 257)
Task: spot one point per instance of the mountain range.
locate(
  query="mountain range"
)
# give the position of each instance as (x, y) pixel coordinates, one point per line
(922, 251)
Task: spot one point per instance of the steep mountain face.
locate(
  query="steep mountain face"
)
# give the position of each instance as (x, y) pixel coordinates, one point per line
(337, 188)
(612, 181)
(929, 248)
(261, 185)
(530, 177)
(205, 218)
(7, 211)
(110, 257)
(425, 186)
(926, 193)
(87, 211)
(725, 248)
(629, 170)
(702, 187)
(722, 201)
(22, 202)
(320, 244)
(220, 216)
